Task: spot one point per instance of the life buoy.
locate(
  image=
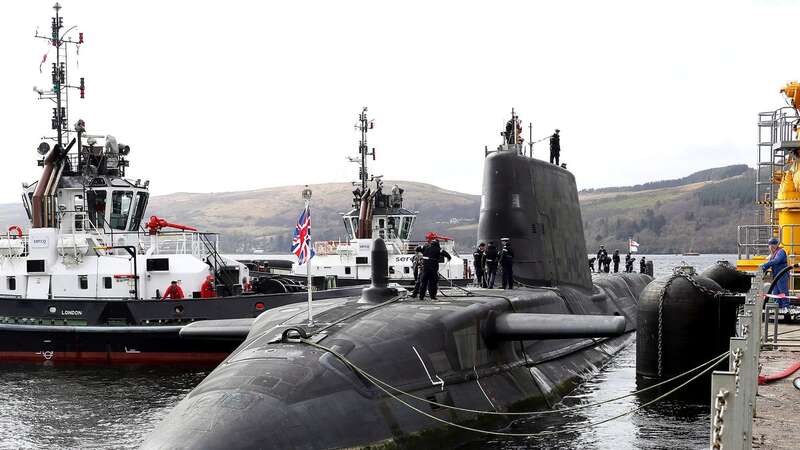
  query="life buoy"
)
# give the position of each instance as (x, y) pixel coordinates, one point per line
(16, 228)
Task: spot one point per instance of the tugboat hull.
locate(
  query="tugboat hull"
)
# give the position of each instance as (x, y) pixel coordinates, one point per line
(127, 331)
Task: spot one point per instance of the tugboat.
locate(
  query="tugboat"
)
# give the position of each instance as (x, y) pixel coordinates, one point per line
(383, 370)
(376, 213)
(86, 281)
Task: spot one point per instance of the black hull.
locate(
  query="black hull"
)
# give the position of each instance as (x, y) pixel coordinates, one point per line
(127, 331)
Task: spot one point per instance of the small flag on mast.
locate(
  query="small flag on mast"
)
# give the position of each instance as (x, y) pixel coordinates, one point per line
(301, 238)
(633, 246)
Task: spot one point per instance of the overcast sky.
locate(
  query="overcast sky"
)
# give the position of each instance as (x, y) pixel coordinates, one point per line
(222, 96)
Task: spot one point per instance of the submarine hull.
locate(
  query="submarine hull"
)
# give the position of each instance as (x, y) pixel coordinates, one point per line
(269, 394)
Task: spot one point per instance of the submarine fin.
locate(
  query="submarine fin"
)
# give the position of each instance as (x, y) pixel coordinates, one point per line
(226, 329)
(529, 326)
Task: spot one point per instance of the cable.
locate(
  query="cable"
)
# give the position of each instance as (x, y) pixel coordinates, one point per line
(376, 380)
(543, 433)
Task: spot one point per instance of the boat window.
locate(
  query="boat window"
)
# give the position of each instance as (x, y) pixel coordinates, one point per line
(348, 228)
(406, 269)
(355, 226)
(83, 281)
(141, 204)
(392, 227)
(391, 270)
(362, 260)
(107, 282)
(27, 206)
(97, 207)
(347, 270)
(120, 209)
(406, 229)
(11, 283)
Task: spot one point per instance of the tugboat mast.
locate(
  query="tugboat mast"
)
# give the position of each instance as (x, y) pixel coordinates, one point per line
(60, 81)
(364, 125)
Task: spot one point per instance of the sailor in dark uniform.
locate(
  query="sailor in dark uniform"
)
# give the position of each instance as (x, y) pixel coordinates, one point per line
(432, 253)
(555, 148)
(478, 263)
(507, 261)
(642, 265)
(416, 263)
(616, 260)
(492, 258)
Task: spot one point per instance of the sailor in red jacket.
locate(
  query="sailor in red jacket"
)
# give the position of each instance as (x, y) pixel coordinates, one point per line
(173, 292)
(207, 289)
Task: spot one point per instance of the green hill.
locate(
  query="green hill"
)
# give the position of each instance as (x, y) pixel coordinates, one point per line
(699, 212)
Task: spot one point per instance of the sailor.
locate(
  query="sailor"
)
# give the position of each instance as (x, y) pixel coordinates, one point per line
(642, 265)
(507, 261)
(615, 258)
(416, 264)
(776, 263)
(555, 147)
(601, 258)
(492, 258)
(509, 134)
(207, 289)
(591, 263)
(606, 263)
(478, 257)
(246, 285)
(629, 263)
(173, 291)
(432, 253)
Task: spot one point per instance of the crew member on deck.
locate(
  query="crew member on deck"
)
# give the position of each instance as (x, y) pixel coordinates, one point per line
(555, 148)
(173, 291)
(492, 258)
(642, 265)
(591, 263)
(777, 262)
(601, 258)
(416, 264)
(431, 254)
(615, 258)
(207, 289)
(478, 263)
(246, 285)
(507, 261)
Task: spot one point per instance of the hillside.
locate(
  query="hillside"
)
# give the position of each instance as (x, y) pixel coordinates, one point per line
(699, 216)
(699, 212)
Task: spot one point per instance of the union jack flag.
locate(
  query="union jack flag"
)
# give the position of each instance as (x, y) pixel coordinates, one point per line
(301, 238)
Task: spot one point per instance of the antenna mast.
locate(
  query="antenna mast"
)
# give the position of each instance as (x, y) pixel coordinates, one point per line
(364, 125)
(60, 81)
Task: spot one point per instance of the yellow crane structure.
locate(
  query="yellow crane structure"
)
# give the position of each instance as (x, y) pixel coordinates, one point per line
(777, 188)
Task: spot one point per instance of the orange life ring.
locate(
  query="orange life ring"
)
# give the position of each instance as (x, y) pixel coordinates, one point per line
(17, 228)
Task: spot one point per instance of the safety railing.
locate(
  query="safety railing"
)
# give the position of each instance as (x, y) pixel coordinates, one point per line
(753, 240)
(733, 391)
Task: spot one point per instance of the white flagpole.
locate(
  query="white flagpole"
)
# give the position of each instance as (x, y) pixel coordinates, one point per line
(308, 269)
(307, 198)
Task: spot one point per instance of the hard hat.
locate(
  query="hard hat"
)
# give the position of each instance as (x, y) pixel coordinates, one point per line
(773, 241)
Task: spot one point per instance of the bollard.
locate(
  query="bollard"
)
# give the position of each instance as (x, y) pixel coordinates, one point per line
(723, 385)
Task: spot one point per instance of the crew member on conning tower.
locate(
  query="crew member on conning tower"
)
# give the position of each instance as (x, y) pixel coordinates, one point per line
(555, 148)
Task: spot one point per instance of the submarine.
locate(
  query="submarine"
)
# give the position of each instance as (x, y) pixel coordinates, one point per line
(384, 370)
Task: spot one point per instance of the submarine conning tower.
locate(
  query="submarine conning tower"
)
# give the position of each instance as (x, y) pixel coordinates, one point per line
(535, 205)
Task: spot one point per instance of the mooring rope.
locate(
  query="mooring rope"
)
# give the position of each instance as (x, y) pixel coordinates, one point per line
(380, 385)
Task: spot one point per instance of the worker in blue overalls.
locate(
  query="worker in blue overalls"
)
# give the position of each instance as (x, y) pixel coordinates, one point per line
(777, 262)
